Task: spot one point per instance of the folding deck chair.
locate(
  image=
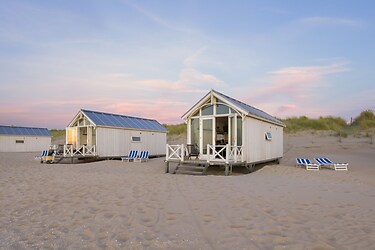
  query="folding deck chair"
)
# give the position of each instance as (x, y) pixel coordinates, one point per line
(133, 154)
(193, 151)
(325, 162)
(143, 156)
(42, 155)
(304, 162)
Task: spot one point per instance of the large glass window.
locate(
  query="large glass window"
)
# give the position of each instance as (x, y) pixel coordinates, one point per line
(194, 130)
(71, 135)
(208, 110)
(222, 109)
(207, 134)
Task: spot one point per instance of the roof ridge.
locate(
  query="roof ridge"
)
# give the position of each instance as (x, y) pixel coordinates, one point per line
(107, 113)
(13, 126)
(239, 101)
(262, 114)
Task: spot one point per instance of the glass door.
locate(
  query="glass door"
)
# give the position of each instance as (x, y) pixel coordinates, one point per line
(207, 134)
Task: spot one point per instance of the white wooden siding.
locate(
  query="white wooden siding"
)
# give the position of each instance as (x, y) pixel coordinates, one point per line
(117, 142)
(256, 147)
(31, 143)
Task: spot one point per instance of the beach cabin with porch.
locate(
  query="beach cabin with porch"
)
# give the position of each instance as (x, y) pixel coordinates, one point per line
(24, 139)
(105, 135)
(224, 131)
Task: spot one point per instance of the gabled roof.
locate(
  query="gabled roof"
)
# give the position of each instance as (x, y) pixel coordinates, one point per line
(122, 121)
(243, 107)
(25, 131)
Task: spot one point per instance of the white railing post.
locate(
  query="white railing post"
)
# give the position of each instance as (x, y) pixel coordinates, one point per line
(167, 152)
(235, 153)
(208, 153)
(227, 148)
(242, 156)
(182, 152)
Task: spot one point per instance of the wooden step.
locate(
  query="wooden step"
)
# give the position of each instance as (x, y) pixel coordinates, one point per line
(190, 169)
(187, 172)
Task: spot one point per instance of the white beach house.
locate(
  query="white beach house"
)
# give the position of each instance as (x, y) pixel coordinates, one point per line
(100, 134)
(24, 139)
(229, 132)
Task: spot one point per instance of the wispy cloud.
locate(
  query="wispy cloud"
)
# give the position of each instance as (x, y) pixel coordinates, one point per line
(191, 60)
(190, 80)
(298, 86)
(159, 20)
(325, 20)
(298, 79)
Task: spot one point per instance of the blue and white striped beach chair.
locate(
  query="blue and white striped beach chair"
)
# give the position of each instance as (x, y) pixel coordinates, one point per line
(304, 162)
(325, 162)
(133, 154)
(42, 156)
(143, 156)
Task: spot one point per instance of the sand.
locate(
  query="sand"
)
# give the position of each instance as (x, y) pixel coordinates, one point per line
(118, 205)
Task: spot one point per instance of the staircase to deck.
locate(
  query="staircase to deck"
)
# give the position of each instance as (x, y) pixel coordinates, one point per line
(190, 168)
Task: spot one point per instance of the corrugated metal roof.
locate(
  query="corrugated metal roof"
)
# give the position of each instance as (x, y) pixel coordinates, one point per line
(250, 109)
(13, 130)
(122, 121)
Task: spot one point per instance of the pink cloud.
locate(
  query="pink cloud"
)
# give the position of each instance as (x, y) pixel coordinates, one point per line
(190, 81)
(286, 109)
(297, 86)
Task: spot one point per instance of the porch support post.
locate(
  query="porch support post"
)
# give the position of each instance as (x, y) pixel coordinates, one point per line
(182, 152)
(227, 153)
(167, 152)
(166, 167)
(208, 153)
(89, 136)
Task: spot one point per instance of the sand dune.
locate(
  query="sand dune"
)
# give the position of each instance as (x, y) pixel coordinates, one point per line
(113, 204)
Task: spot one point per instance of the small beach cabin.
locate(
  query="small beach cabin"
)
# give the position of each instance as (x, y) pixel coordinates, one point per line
(106, 135)
(24, 139)
(223, 130)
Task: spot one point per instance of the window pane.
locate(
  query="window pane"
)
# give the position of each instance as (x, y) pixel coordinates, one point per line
(136, 138)
(222, 109)
(208, 110)
(207, 134)
(194, 131)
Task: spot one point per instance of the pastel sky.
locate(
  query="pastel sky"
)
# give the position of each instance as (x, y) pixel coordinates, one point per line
(156, 59)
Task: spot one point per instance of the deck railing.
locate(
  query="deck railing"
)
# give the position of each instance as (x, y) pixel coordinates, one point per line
(175, 152)
(215, 153)
(236, 154)
(71, 150)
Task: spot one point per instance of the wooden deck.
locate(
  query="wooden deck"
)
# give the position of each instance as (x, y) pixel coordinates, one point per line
(199, 167)
(227, 156)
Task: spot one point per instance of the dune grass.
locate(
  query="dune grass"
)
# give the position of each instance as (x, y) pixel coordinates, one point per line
(58, 133)
(363, 125)
(177, 129)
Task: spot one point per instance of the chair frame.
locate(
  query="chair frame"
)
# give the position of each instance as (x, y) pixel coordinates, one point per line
(327, 163)
(133, 154)
(305, 162)
(192, 151)
(143, 156)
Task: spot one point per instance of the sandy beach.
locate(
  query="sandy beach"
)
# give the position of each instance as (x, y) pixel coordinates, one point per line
(118, 205)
